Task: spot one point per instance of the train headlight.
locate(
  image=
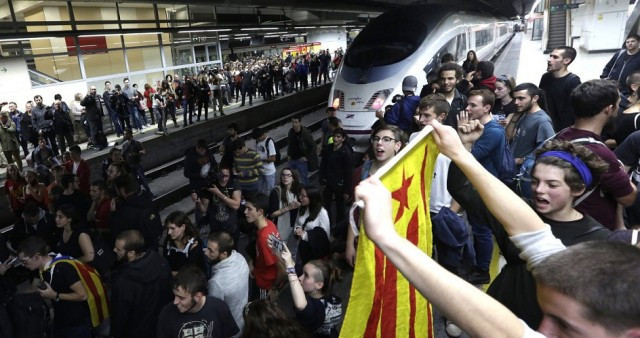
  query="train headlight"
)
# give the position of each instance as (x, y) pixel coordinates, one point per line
(338, 99)
(336, 103)
(378, 99)
(377, 103)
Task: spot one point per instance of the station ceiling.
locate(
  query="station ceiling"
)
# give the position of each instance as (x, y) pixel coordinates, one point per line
(331, 11)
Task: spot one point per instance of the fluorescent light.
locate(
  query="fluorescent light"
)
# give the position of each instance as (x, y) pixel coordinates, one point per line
(241, 34)
(205, 30)
(259, 29)
(23, 39)
(117, 34)
(304, 27)
(328, 26)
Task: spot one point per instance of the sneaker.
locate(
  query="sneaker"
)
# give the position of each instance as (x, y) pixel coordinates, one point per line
(479, 277)
(452, 329)
(141, 131)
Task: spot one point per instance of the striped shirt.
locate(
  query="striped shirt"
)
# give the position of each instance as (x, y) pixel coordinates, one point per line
(248, 166)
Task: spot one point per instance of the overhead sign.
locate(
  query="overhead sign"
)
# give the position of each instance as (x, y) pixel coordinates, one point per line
(563, 7)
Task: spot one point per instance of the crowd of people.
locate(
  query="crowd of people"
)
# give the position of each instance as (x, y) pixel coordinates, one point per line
(540, 168)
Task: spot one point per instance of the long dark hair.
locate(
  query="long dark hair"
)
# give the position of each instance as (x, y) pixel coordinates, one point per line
(263, 319)
(296, 187)
(475, 58)
(315, 203)
(69, 211)
(179, 218)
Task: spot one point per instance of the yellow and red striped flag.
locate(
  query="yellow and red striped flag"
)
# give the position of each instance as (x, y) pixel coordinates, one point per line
(382, 303)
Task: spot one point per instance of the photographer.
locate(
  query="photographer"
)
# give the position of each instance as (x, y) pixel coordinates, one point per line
(402, 112)
(218, 203)
(42, 119)
(198, 164)
(92, 103)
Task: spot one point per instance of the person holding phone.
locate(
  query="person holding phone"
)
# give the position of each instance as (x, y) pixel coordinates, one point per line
(316, 308)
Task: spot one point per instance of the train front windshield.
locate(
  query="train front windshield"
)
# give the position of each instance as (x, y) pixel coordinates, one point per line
(384, 42)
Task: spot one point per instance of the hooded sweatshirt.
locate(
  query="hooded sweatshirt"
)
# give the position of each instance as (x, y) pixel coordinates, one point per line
(137, 212)
(140, 289)
(230, 282)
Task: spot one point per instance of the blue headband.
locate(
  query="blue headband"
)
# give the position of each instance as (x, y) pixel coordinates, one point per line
(576, 162)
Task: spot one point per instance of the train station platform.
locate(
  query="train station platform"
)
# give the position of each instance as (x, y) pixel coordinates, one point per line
(524, 59)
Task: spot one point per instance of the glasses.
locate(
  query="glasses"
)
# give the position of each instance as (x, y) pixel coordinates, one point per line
(286, 175)
(385, 139)
(24, 260)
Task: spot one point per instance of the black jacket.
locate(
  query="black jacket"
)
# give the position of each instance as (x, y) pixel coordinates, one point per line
(192, 168)
(336, 167)
(301, 144)
(93, 107)
(137, 212)
(140, 289)
(62, 121)
(45, 228)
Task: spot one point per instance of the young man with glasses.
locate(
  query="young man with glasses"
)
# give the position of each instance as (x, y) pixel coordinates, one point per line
(62, 285)
(557, 84)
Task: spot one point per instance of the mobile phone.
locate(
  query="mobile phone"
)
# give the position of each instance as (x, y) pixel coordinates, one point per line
(277, 243)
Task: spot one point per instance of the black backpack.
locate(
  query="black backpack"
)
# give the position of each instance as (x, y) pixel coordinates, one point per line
(29, 315)
(266, 145)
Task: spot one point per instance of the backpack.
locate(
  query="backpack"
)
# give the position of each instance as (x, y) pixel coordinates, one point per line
(266, 145)
(104, 257)
(96, 294)
(101, 140)
(29, 315)
(507, 168)
(523, 178)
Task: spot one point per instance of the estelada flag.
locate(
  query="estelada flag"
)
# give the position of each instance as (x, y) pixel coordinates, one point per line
(382, 303)
(96, 293)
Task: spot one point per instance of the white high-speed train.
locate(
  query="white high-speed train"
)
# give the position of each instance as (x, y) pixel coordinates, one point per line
(406, 41)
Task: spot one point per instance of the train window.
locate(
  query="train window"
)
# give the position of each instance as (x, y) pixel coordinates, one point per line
(503, 30)
(462, 47)
(484, 37)
(384, 42)
(434, 63)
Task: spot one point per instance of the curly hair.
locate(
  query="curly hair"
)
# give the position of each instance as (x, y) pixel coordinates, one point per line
(596, 165)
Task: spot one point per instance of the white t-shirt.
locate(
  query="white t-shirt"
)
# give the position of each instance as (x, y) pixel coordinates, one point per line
(440, 196)
(269, 168)
(322, 220)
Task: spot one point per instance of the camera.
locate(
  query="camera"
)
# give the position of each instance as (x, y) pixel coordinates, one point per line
(397, 97)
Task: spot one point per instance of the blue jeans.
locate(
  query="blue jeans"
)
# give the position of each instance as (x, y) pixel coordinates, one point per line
(482, 243)
(142, 179)
(187, 106)
(303, 170)
(116, 122)
(266, 183)
(135, 117)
